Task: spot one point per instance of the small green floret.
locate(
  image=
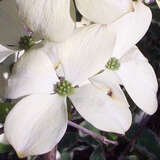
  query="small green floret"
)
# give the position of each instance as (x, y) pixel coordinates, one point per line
(64, 88)
(26, 42)
(113, 64)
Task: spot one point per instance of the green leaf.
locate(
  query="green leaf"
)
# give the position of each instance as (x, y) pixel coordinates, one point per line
(132, 157)
(90, 141)
(147, 142)
(65, 156)
(68, 141)
(98, 154)
(32, 158)
(5, 148)
(87, 138)
(111, 136)
(155, 12)
(4, 110)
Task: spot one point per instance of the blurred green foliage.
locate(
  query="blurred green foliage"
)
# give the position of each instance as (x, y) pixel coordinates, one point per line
(4, 110)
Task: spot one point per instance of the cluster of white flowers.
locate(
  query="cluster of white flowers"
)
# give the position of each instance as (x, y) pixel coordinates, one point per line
(87, 62)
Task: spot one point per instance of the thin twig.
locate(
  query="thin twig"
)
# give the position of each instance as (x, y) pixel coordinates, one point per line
(51, 155)
(94, 135)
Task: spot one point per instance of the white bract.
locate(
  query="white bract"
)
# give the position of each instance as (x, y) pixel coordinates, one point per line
(158, 2)
(38, 122)
(104, 11)
(51, 19)
(131, 28)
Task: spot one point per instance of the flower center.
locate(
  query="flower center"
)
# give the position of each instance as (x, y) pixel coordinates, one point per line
(113, 64)
(64, 88)
(26, 42)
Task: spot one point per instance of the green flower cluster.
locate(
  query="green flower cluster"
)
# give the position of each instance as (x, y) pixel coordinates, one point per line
(64, 88)
(26, 42)
(113, 64)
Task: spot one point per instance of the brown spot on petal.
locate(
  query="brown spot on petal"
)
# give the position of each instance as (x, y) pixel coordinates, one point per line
(110, 93)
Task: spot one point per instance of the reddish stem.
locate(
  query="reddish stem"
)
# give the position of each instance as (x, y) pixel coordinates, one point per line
(94, 135)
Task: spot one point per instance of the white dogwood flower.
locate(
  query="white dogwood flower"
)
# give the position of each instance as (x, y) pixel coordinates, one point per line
(51, 19)
(81, 56)
(38, 121)
(133, 71)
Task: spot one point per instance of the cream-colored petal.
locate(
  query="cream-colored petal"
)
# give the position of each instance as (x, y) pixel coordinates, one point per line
(50, 18)
(33, 73)
(11, 28)
(101, 110)
(36, 124)
(53, 50)
(87, 52)
(139, 79)
(103, 11)
(158, 2)
(4, 53)
(108, 82)
(131, 28)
